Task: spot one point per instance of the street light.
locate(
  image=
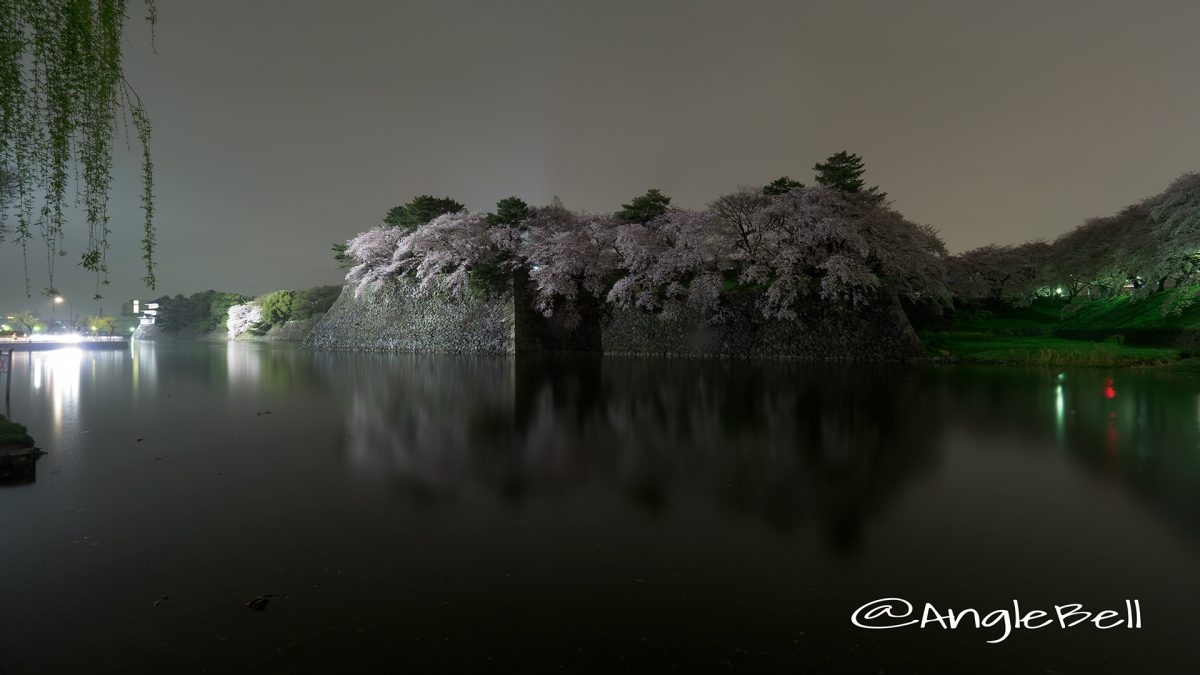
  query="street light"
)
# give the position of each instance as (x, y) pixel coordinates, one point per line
(54, 302)
(58, 300)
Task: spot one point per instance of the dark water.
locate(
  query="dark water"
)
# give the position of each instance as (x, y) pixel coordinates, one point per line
(430, 514)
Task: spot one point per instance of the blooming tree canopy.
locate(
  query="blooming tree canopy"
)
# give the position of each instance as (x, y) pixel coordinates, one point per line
(568, 254)
(242, 317)
(844, 248)
(678, 257)
(805, 244)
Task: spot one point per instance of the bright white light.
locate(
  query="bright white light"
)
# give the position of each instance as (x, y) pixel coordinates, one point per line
(69, 338)
(93, 329)
(58, 299)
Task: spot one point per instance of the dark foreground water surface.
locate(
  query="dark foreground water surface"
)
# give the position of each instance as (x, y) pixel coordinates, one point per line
(433, 514)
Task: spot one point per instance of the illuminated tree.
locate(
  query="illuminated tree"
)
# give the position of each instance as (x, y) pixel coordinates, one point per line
(371, 252)
(1174, 222)
(63, 96)
(444, 252)
(844, 249)
(568, 255)
(101, 324)
(243, 318)
(812, 245)
(27, 320)
(679, 259)
(277, 307)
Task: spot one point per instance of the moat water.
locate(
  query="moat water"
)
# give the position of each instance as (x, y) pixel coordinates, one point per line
(458, 514)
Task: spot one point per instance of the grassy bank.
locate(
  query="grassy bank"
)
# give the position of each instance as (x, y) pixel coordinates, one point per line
(13, 434)
(1120, 331)
(1042, 350)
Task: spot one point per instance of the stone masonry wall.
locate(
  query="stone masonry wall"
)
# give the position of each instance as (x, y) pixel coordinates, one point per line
(880, 333)
(393, 318)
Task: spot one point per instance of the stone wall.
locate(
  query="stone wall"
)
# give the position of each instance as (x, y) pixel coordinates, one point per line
(394, 318)
(879, 333)
(559, 332)
(292, 331)
(149, 333)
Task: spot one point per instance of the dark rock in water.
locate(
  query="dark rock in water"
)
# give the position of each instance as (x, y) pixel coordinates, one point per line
(18, 465)
(259, 603)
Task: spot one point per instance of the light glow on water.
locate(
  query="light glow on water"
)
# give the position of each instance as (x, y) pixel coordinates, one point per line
(1060, 409)
(57, 371)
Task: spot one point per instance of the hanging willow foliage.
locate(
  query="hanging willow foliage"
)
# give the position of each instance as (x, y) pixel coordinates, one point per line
(63, 94)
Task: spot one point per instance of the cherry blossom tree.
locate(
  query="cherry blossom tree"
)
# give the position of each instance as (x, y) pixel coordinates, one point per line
(1174, 223)
(370, 253)
(242, 317)
(442, 253)
(1013, 274)
(843, 248)
(740, 213)
(439, 255)
(677, 258)
(818, 243)
(568, 254)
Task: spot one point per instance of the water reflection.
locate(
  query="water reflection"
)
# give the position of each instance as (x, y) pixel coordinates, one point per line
(781, 442)
(784, 443)
(666, 506)
(1139, 430)
(57, 372)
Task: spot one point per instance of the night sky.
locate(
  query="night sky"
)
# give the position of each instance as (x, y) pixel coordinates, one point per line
(281, 127)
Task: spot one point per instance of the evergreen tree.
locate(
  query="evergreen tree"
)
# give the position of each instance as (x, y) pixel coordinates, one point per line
(339, 254)
(510, 211)
(781, 185)
(645, 208)
(420, 210)
(843, 171)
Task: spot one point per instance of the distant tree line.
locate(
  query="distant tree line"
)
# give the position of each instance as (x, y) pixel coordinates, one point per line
(1148, 247)
(837, 242)
(209, 311)
(197, 314)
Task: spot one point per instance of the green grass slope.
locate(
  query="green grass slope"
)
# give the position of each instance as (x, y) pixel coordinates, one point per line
(1144, 313)
(1049, 333)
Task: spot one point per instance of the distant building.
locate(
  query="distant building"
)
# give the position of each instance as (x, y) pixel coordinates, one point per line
(146, 312)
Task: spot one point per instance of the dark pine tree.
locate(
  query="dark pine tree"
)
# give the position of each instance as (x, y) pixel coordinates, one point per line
(781, 185)
(510, 211)
(420, 210)
(843, 171)
(645, 208)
